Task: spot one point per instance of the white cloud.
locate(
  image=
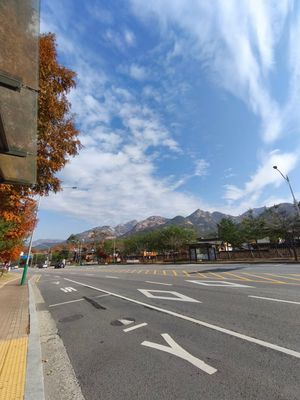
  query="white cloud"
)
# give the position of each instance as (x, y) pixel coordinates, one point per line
(120, 39)
(150, 92)
(201, 167)
(114, 188)
(137, 72)
(129, 37)
(115, 172)
(264, 175)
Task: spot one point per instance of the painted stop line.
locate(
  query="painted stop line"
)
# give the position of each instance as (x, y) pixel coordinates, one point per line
(176, 350)
(220, 283)
(167, 295)
(68, 289)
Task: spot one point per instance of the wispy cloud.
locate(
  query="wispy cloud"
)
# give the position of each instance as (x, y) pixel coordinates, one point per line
(129, 37)
(135, 71)
(201, 167)
(235, 41)
(264, 176)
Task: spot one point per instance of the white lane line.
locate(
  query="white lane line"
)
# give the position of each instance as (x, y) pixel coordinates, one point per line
(178, 351)
(112, 277)
(279, 300)
(132, 328)
(90, 274)
(102, 295)
(199, 322)
(220, 284)
(160, 283)
(65, 302)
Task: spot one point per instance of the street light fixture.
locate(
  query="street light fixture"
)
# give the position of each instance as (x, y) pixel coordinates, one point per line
(286, 178)
(31, 237)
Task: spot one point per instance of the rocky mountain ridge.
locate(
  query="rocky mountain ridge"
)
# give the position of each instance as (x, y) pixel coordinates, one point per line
(204, 222)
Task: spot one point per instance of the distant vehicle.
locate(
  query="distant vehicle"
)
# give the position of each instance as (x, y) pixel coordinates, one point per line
(133, 261)
(43, 265)
(59, 264)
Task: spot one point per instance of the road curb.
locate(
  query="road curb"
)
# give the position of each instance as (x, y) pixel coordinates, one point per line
(34, 387)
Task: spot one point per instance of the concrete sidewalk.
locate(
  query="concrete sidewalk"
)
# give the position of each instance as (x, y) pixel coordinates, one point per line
(14, 329)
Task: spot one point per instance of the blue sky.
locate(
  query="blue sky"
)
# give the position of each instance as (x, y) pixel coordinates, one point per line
(181, 105)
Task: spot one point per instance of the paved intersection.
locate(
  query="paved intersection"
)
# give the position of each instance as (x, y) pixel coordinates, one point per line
(143, 332)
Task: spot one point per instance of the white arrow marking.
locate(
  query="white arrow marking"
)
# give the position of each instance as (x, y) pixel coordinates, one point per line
(175, 295)
(56, 283)
(68, 289)
(178, 351)
(126, 321)
(132, 328)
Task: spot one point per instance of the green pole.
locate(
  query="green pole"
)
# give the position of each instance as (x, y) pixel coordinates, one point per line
(27, 260)
(29, 249)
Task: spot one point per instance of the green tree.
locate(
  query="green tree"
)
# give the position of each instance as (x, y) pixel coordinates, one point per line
(252, 228)
(175, 239)
(230, 232)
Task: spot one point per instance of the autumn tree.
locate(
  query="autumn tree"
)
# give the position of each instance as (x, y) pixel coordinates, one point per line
(57, 135)
(57, 141)
(17, 215)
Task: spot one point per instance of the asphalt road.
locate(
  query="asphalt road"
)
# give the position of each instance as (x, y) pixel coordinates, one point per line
(179, 332)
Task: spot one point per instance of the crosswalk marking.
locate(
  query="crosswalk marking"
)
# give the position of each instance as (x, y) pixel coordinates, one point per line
(237, 276)
(283, 276)
(217, 275)
(68, 289)
(262, 277)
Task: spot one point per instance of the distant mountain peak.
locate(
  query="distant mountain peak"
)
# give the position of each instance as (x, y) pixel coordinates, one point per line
(204, 222)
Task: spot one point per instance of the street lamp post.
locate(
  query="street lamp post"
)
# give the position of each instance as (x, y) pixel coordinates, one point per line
(286, 178)
(31, 238)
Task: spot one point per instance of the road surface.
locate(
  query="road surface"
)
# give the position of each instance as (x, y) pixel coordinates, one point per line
(212, 332)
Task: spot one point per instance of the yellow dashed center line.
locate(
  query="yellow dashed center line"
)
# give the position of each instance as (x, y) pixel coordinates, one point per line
(164, 272)
(174, 272)
(186, 273)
